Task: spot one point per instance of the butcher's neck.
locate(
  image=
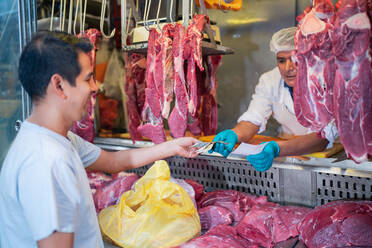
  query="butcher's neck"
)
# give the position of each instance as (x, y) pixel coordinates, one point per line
(50, 118)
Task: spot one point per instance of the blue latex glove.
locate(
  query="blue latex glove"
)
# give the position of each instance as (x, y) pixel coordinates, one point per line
(264, 160)
(228, 136)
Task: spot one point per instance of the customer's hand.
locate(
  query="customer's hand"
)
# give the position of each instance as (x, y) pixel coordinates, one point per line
(182, 147)
(264, 160)
(229, 137)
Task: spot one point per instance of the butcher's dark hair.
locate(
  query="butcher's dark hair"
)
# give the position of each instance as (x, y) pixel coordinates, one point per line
(50, 53)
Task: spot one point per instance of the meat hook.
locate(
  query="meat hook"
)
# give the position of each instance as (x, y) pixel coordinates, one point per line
(103, 12)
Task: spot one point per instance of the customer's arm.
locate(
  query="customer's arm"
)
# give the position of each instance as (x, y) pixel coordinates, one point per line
(113, 162)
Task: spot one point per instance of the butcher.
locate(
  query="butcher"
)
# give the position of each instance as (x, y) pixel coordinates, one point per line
(274, 97)
(45, 196)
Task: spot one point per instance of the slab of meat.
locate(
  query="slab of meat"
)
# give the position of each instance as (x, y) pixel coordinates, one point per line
(164, 79)
(109, 193)
(177, 120)
(221, 236)
(152, 126)
(270, 223)
(238, 203)
(209, 100)
(193, 54)
(212, 216)
(338, 224)
(313, 91)
(353, 82)
(108, 111)
(198, 188)
(85, 127)
(135, 90)
(97, 180)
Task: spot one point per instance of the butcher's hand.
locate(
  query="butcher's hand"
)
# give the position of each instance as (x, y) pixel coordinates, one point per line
(264, 160)
(229, 139)
(183, 147)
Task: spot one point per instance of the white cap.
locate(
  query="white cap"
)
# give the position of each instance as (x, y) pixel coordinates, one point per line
(283, 40)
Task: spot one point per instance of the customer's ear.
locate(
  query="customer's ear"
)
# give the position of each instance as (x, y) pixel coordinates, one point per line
(57, 84)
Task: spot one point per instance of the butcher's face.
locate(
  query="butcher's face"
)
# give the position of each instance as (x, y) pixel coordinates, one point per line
(84, 88)
(287, 68)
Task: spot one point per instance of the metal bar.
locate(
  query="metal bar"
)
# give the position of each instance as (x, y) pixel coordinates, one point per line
(134, 11)
(185, 12)
(123, 23)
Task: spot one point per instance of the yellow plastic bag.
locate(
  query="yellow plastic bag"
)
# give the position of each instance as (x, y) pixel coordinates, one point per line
(159, 213)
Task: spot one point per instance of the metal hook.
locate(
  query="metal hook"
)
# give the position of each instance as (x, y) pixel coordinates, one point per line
(103, 12)
(157, 16)
(224, 11)
(146, 15)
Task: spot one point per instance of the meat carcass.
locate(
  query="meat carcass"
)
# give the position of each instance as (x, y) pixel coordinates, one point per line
(208, 99)
(238, 203)
(221, 236)
(338, 224)
(135, 90)
(152, 122)
(313, 91)
(177, 120)
(353, 80)
(85, 127)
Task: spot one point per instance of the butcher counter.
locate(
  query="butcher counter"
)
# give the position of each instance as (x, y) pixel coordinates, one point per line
(290, 180)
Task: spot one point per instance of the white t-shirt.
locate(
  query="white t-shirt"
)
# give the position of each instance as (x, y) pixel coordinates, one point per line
(44, 188)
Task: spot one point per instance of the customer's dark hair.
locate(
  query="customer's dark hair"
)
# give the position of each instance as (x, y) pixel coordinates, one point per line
(47, 54)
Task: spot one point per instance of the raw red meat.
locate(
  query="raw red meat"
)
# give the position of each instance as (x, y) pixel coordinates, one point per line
(177, 120)
(152, 126)
(212, 216)
(338, 224)
(353, 80)
(198, 188)
(209, 100)
(135, 90)
(270, 223)
(193, 54)
(164, 69)
(97, 179)
(313, 91)
(108, 111)
(221, 236)
(85, 127)
(109, 193)
(238, 203)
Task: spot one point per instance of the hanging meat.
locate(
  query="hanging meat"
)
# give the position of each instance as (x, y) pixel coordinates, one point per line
(85, 127)
(135, 90)
(177, 120)
(313, 91)
(193, 54)
(152, 126)
(208, 98)
(175, 66)
(353, 79)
